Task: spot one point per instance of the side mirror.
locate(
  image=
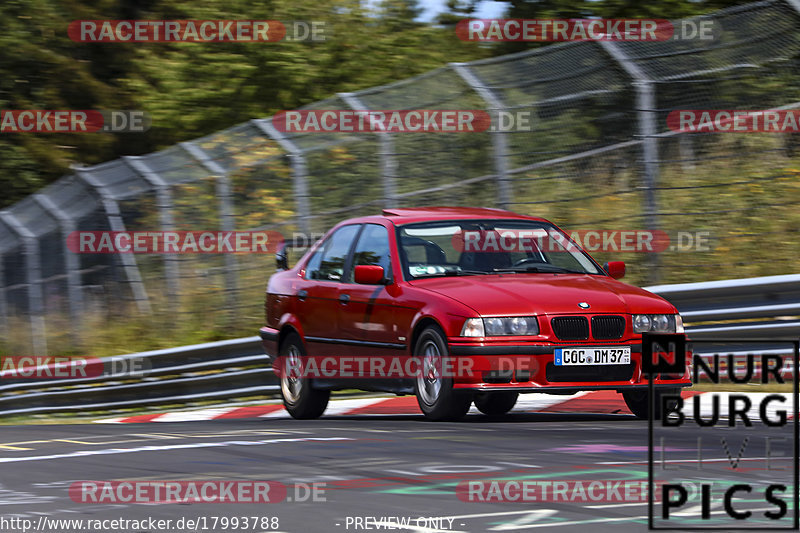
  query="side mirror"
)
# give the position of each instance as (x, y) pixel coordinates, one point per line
(281, 260)
(368, 274)
(615, 269)
(282, 255)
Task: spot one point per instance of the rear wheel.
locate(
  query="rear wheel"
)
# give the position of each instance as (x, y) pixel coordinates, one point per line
(636, 401)
(436, 396)
(495, 403)
(299, 399)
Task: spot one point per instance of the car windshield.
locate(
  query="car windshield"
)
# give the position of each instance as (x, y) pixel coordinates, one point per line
(474, 247)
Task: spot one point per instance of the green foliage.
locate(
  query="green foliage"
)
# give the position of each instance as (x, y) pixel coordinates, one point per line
(609, 9)
(193, 89)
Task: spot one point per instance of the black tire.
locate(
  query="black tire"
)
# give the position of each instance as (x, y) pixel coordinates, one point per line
(301, 400)
(436, 396)
(636, 400)
(495, 403)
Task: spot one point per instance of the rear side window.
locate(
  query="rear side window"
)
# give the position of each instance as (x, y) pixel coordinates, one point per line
(328, 260)
(373, 248)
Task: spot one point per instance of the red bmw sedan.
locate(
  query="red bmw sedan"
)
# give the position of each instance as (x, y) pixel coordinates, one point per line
(458, 305)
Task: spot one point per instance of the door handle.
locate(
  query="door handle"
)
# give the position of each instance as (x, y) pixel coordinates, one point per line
(301, 294)
(344, 298)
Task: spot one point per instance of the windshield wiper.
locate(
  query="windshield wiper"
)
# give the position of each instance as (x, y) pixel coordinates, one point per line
(460, 272)
(545, 268)
(449, 273)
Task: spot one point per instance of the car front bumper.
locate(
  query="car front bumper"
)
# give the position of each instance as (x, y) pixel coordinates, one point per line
(531, 368)
(269, 340)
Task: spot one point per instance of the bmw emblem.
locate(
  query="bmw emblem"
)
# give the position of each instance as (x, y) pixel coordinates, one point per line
(584, 305)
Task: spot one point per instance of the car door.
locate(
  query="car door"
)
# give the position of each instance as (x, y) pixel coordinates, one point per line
(366, 312)
(317, 294)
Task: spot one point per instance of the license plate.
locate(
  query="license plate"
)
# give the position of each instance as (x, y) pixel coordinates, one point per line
(620, 355)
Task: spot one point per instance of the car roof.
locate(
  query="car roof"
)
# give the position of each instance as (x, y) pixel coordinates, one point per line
(408, 215)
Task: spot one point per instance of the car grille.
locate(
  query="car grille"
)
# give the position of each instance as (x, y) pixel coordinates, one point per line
(608, 327)
(557, 374)
(570, 328)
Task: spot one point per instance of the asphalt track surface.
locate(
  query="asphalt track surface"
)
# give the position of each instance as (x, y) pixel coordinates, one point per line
(401, 470)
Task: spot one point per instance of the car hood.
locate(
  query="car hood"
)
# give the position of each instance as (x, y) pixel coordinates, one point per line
(539, 294)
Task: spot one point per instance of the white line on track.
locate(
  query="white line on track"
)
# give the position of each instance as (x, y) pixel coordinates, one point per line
(191, 416)
(115, 451)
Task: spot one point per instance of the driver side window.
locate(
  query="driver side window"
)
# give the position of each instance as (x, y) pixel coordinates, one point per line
(373, 249)
(328, 261)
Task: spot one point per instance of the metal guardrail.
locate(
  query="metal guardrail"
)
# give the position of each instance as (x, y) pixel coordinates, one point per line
(738, 309)
(215, 370)
(733, 299)
(743, 309)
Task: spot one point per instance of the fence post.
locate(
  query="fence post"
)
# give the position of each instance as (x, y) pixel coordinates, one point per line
(499, 138)
(648, 130)
(226, 217)
(165, 205)
(3, 300)
(299, 173)
(115, 222)
(386, 153)
(72, 265)
(33, 264)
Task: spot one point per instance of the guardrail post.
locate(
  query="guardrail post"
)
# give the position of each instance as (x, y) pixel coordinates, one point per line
(299, 173)
(33, 264)
(165, 206)
(115, 222)
(74, 293)
(499, 138)
(226, 217)
(648, 130)
(386, 153)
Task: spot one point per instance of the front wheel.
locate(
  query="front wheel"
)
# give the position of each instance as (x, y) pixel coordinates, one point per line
(636, 400)
(436, 396)
(299, 398)
(495, 403)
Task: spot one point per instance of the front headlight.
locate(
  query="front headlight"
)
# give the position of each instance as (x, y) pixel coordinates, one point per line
(497, 326)
(657, 324)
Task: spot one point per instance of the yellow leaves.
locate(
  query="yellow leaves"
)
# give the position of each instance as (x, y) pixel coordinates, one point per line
(266, 208)
(341, 155)
(255, 154)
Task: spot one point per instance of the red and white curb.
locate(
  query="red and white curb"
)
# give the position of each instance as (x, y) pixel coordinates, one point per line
(598, 402)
